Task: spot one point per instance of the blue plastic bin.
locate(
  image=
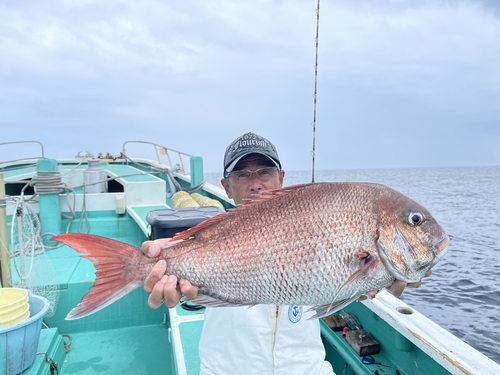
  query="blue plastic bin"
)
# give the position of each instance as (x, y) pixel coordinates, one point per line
(19, 343)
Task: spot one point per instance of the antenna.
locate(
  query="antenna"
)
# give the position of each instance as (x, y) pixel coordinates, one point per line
(313, 152)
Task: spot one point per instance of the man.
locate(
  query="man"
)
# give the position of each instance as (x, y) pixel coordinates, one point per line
(264, 339)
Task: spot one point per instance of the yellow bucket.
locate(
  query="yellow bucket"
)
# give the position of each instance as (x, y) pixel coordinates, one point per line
(13, 311)
(13, 306)
(11, 297)
(16, 316)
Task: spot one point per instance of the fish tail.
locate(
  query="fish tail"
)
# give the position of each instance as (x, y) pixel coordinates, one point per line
(117, 271)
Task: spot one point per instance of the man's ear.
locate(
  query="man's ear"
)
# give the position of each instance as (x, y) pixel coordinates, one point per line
(225, 185)
(282, 177)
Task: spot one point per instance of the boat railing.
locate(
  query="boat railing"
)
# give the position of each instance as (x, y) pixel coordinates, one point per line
(174, 157)
(5, 146)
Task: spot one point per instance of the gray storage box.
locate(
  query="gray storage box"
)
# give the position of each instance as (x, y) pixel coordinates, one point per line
(165, 223)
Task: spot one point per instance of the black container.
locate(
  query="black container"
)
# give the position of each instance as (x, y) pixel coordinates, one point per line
(165, 223)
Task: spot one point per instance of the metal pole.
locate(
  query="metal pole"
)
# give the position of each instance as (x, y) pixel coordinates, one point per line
(313, 152)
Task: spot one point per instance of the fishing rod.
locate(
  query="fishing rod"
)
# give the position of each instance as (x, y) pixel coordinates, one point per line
(313, 152)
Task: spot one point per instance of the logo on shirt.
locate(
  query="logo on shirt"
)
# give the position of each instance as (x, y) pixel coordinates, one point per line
(294, 313)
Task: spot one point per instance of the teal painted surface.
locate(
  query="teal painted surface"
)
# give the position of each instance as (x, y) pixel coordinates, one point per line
(108, 224)
(140, 350)
(51, 350)
(79, 276)
(407, 359)
(190, 334)
(142, 211)
(50, 211)
(131, 310)
(130, 173)
(15, 173)
(196, 168)
(74, 276)
(63, 269)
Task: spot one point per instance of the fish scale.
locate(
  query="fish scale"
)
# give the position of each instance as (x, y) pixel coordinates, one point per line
(319, 244)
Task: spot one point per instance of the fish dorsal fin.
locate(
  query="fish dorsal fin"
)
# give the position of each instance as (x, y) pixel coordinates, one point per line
(255, 199)
(270, 194)
(191, 232)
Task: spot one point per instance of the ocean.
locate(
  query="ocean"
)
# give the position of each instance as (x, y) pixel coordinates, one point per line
(463, 293)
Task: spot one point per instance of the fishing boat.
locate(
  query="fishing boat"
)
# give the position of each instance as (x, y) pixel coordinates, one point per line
(115, 195)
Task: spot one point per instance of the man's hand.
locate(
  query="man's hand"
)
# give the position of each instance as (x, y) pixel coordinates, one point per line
(396, 289)
(398, 286)
(164, 288)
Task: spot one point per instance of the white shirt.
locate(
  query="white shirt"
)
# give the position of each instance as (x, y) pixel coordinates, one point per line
(263, 339)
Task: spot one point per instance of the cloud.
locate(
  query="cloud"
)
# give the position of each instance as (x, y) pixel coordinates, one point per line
(197, 75)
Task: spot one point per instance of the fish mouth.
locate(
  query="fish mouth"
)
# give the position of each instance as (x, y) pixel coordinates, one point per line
(440, 247)
(441, 244)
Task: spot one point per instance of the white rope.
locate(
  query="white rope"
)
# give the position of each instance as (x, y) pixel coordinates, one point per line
(48, 183)
(27, 244)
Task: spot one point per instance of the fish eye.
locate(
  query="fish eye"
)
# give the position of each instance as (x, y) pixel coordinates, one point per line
(415, 218)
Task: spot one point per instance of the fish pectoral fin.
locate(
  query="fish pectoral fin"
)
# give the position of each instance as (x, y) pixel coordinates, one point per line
(330, 308)
(205, 300)
(360, 276)
(364, 273)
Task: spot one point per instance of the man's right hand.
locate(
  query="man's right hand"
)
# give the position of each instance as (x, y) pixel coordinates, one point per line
(164, 288)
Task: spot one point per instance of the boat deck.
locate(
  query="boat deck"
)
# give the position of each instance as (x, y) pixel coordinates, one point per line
(140, 349)
(128, 337)
(131, 350)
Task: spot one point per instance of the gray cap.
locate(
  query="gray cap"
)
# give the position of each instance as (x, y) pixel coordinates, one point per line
(249, 143)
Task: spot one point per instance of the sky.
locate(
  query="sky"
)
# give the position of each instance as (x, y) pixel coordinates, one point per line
(400, 83)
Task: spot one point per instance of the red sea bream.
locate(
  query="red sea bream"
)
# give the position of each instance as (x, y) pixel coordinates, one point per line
(320, 244)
